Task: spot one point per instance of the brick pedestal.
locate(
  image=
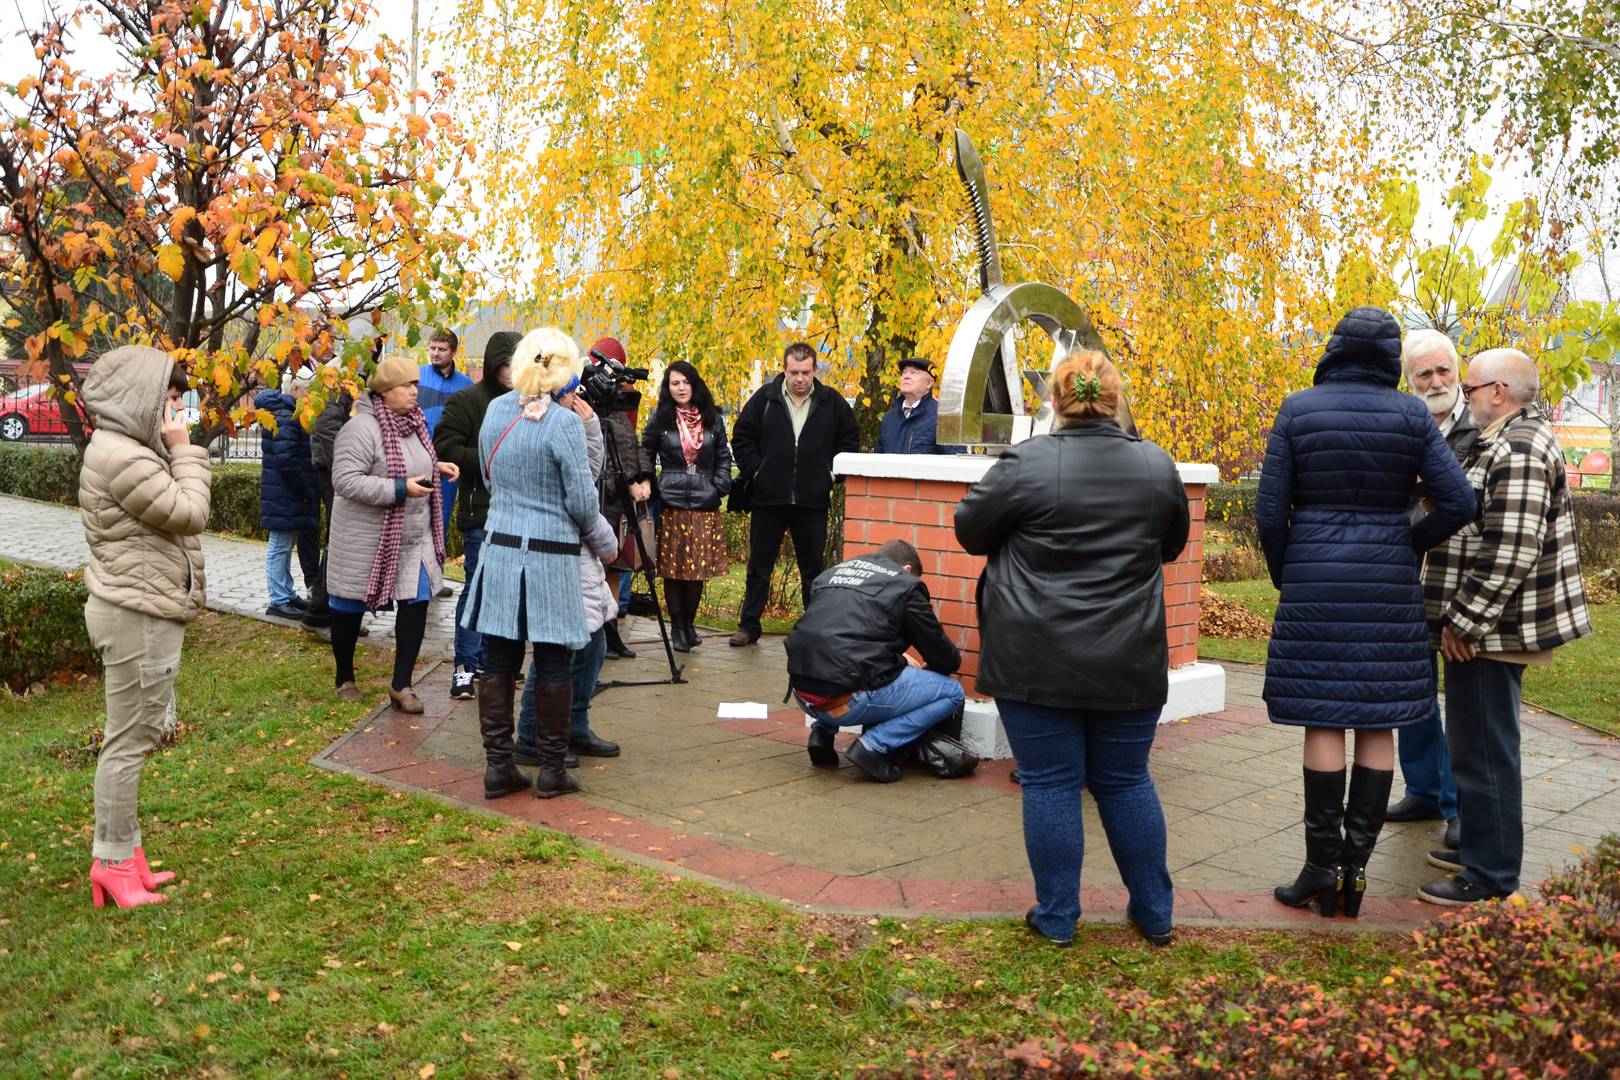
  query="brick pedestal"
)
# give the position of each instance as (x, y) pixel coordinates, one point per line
(913, 498)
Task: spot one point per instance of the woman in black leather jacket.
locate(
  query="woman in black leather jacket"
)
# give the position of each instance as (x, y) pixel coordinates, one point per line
(687, 441)
(1077, 526)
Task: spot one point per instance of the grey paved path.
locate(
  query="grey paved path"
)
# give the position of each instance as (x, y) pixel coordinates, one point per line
(51, 535)
(736, 800)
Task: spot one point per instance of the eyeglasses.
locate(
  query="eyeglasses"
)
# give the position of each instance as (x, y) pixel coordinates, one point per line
(1467, 390)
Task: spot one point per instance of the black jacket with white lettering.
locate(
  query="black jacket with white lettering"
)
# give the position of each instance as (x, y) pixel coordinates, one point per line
(863, 615)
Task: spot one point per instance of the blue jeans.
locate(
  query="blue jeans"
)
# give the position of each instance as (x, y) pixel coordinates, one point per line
(278, 567)
(469, 643)
(898, 714)
(625, 580)
(1060, 751)
(1426, 761)
(583, 671)
(1482, 725)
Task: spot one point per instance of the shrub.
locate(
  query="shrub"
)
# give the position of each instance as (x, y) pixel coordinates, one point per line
(1228, 502)
(1597, 529)
(45, 473)
(1511, 989)
(42, 626)
(1241, 563)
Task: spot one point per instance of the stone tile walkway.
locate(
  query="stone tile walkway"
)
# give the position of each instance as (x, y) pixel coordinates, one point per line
(736, 801)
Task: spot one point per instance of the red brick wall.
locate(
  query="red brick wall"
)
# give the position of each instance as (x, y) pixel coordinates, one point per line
(922, 512)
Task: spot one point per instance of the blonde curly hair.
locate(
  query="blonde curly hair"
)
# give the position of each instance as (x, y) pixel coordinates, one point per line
(544, 361)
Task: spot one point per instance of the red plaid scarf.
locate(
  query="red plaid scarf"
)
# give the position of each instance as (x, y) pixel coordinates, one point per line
(385, 567)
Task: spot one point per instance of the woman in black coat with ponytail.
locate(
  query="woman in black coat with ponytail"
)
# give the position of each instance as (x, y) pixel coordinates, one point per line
(687, 441)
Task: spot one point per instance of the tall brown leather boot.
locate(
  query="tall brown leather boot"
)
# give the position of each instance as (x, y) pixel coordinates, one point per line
(501, 777)
(552, 708)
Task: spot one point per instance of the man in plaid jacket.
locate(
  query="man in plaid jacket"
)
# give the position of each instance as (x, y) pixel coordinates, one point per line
(1501, 594)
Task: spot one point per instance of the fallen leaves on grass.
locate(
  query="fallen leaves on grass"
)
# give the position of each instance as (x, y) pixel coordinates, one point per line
(1220, 617)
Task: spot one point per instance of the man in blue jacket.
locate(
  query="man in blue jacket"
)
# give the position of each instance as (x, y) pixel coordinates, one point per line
(913, 418)
(438, 380)
(289, 502)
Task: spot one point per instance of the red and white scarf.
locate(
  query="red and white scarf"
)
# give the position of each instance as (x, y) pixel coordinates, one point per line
(385, 566)
(689, 422)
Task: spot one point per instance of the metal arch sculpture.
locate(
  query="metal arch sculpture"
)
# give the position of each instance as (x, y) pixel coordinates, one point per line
(981, 403)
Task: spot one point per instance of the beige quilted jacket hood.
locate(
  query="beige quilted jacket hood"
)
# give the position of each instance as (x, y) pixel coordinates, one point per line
(144, 506)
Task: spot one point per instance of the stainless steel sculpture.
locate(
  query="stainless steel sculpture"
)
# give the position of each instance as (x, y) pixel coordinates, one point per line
(981, 403)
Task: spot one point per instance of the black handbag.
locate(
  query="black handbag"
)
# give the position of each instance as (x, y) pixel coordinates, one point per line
(944, 755)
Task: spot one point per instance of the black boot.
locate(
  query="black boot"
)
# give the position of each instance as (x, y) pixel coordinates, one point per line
(1318, 882)
(615, 643)
(692, 638)
(1363, 821)
(552, 714)
(501, 777)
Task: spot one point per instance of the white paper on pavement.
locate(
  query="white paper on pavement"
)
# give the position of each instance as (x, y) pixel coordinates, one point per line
(742, 710)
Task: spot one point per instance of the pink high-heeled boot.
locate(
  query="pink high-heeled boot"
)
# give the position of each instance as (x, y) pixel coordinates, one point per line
(121, 881)
(149, 880)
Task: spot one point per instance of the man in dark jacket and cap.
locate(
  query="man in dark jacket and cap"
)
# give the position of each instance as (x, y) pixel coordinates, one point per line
(455, 439)
(910, 424)
(848, 665)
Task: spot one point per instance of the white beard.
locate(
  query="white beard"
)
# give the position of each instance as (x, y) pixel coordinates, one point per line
(1442, 402)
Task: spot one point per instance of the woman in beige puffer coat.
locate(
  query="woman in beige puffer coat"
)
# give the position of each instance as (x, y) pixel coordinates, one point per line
(143, 497)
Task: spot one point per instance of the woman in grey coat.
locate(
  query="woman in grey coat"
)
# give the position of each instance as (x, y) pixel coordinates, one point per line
(387, 535)
(543, 504)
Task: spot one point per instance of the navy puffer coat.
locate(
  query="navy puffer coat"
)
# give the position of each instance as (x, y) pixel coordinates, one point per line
(1349, 648)
(289, 495)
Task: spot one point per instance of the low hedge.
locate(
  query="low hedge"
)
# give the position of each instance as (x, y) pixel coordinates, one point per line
(1515, 988)
(1597, 529)
(45, 473)
(1227, 502)
(42, 626)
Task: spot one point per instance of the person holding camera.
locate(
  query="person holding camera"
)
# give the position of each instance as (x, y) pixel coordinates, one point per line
(606, 386)
(387, 536)
(688, 440)
(143, 498)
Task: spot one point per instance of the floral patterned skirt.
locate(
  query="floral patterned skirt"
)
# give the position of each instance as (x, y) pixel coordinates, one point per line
(691, 544)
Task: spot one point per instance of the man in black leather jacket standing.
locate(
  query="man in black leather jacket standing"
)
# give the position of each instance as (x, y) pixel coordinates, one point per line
(848, 665)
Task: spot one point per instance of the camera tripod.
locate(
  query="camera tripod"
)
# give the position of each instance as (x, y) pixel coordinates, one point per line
(628, 506)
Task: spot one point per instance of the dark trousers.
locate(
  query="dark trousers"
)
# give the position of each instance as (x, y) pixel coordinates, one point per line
(1482, 726)
(766, 526)
(318, 605)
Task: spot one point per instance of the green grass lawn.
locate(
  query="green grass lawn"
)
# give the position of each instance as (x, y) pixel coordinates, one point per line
(327, 926)
(1580, 682)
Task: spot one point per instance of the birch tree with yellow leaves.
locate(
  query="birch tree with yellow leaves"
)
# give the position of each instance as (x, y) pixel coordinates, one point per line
(715, 178)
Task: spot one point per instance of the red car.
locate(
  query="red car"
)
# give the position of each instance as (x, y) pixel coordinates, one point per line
(29, 411)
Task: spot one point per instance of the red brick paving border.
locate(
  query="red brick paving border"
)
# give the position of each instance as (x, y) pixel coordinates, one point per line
(384, 747)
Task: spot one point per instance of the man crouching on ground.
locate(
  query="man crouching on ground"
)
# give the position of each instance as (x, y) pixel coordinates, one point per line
(848, 665)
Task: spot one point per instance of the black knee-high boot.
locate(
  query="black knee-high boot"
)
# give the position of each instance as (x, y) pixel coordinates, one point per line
(1363, 821)
(501, 777)
(553, 711)
(615, 644)
(1319, 881)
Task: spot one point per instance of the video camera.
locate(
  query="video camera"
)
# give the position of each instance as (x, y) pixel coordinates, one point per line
(608, 384)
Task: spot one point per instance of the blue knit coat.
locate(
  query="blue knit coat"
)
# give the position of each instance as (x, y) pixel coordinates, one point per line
(289, 495)
(1349, 646)
(540, 488)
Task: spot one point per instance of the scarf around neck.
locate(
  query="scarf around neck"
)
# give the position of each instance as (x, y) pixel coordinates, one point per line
(385, 565)
(689, 422)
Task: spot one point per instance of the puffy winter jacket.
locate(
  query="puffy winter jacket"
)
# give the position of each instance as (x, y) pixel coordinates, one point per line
(143, 505)
(699, 486)
(289, 496)
(1349, 647)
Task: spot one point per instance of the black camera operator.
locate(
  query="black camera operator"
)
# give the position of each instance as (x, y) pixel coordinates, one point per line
(608, 386)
